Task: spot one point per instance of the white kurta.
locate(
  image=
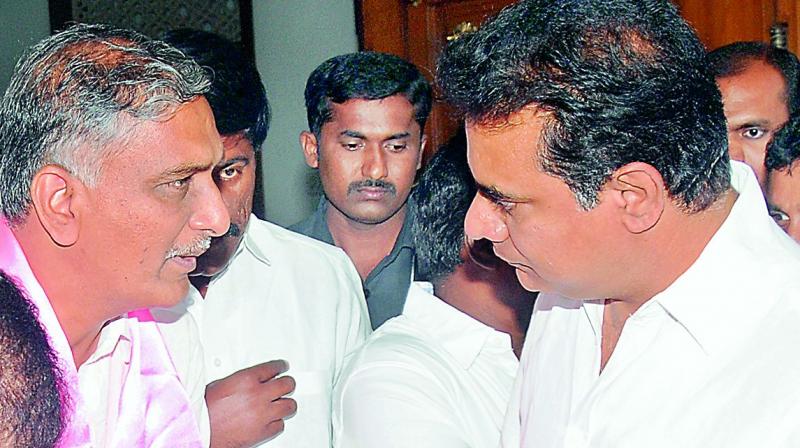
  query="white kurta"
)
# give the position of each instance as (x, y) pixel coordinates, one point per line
(432, 377)
(285, 296)
(712, 361)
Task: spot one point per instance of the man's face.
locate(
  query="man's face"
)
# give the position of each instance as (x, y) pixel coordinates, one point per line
(235, 176)
(533, 218)
(154, 209)
(755, 107)
(783, 197)
(368, 156)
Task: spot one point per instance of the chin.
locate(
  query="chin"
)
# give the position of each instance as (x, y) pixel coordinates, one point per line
(528, 281)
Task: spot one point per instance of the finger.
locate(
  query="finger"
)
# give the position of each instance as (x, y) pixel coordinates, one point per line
(282, 408)
(274, 428)
(278, 387)
(266, 371)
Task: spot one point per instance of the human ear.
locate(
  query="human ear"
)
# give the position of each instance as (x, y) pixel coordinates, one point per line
(310, 146)
(55, 194)
(423, 142)
(639, 191)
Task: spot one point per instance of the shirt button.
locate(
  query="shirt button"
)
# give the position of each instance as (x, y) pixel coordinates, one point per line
(217, 362)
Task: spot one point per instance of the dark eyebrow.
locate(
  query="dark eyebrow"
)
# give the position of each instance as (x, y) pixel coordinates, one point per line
(229, 162)
(753, 124)
(353, 134)
(397, 136)
(495, 195)
(183, 170)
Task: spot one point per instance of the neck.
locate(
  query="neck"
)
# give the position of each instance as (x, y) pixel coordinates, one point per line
(490, 297)
(663, 254)
(200, 282)
(80, 311)
(365, 244)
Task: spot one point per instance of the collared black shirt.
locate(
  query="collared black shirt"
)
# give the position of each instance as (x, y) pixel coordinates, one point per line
(387, 285)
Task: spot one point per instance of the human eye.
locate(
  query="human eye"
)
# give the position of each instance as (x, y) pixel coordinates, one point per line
(753, 133)
(352, 145)
(230, 172)
(501, 203)
(397, 146)
(780, 217)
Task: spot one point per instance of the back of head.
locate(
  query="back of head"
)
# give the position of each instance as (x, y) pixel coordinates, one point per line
(784, 149)
(445, 190)
(364, 75)
(733, 59)
(237, 96)
(31, 412)
(619, 82)
(75, 93)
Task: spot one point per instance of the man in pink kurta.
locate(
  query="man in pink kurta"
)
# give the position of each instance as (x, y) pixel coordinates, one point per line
(106, 199)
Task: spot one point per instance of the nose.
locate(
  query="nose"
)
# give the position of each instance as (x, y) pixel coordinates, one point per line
(484, 221)
(210, 214)
(374, 165)
(735, 151)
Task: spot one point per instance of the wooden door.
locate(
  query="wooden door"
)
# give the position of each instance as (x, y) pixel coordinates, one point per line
(417, 30)
(720, 22)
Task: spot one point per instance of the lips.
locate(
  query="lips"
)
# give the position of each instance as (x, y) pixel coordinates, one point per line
(372, 193)
(187, 264)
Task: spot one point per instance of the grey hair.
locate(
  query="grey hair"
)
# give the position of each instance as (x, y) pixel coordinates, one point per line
(75, 93)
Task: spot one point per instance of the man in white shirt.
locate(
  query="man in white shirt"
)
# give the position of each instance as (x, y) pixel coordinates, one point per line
(265, 294)
(597, 139)
(107, 197)
(440, 374)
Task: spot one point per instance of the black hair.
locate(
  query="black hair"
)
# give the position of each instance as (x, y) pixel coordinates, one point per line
(237, 96)
(364, 75)
(618, 82)
(784, 149)
(31, 410)
(733, 59)
(445, 190)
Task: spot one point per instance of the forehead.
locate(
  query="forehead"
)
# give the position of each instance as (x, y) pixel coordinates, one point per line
(759, 90)
(784, 186)
(187, 139)
(237, 145)
(503, 153)
(387, 115)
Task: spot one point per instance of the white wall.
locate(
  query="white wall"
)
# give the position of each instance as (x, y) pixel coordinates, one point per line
(24, 22)
(292, 37)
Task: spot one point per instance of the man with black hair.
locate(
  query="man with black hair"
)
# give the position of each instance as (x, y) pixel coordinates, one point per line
(783, 178)
(440, 374)
(366, 115)
(31, 410)
(759, 91)
(669, 313)
(258, 312)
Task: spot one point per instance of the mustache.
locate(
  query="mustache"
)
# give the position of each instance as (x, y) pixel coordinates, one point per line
(372, 183)
(233, 231)
(193, 249)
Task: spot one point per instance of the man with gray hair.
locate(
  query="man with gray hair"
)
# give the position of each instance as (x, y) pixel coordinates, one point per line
(107, 148)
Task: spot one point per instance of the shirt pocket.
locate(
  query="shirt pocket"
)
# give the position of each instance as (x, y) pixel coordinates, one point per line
(311, 426)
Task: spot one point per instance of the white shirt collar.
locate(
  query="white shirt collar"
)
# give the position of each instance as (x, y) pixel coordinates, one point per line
(463, 336)
(699, 313)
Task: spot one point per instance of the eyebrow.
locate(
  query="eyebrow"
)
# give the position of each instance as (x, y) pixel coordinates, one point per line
(356, 134)
(752, 124)
(183, 170)
(495, 195)
(229, 162)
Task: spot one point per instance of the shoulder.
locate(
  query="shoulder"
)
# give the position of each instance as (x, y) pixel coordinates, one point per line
(275, 240)
(398, 346)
